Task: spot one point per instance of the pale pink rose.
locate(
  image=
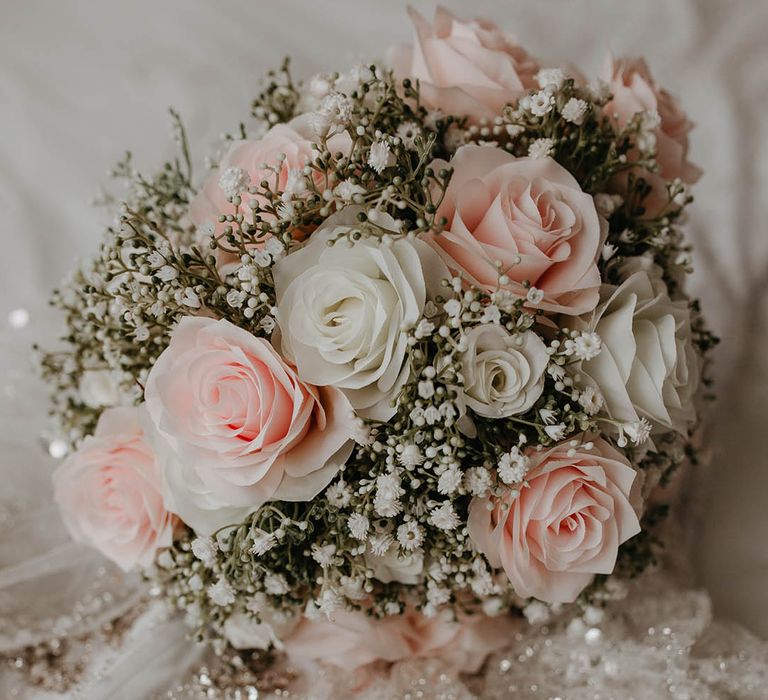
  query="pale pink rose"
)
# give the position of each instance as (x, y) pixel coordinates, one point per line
(634, 90)
(293, 141)
(565, 525)
(241, 427)
(529, 215)
(110, 492)
(352, 640)
(464, 67)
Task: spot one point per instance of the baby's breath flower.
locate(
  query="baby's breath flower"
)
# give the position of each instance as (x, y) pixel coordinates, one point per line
(585, 346)
(388, 491)
(444, 516)
(591, 401)
(512, 466)
(411, 455)
(346, 190)
(339, 494)
(574, 111)
(323, 554)
(233, 181)
(262, 542)
(452, 307)
(535, 296)
(275, 584)
(423, 329)
(410, 535)
(541, 148)
(609, 250)
(378, 158)
(205, 549)
(638, 431)
(541, 103)
(426, 389)
(477, 481)
(358, 526)
(408, 132)
(556, 432)
(550, 77)
(221, 593)
(606, 204)
(449, 480)
(380, 543)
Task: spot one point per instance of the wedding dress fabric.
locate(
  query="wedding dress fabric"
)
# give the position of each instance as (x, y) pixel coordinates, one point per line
(80, 81)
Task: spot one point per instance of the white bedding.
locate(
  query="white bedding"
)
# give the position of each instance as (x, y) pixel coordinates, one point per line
(82, 81)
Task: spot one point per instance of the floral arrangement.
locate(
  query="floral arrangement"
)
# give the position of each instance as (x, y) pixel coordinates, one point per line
(413, 362)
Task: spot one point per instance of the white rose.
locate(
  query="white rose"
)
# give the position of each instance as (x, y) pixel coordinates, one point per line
(392, 566)
(503, 372)
(648, 366)
(98, 388)
(344, 310)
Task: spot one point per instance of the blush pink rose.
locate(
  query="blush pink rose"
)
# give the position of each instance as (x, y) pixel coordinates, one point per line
(241, 427)
(352, 640)
(530, 216)
(467, 68)
(565, 525)
(634, 90)
(110, 492)
(293, 141)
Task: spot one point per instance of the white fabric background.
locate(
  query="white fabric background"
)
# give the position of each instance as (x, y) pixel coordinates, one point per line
(82, 81)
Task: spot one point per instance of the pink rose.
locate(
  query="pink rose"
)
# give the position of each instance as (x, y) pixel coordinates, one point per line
(529, 215)
(634, 90)
(352, 640)
(241, 427)
(110, 492)
(467, 68)
(565, 525)
(292, 140)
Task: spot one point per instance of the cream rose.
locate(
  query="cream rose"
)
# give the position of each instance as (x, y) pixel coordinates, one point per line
(525, 218)
(563, 526)
(467, 68)
(241, 428)
(503, 372)
(110, 492)
(648, 367)
(344, 310)
(352, 640)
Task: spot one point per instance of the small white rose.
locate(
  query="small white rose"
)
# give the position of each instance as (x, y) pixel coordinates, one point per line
(503, 373)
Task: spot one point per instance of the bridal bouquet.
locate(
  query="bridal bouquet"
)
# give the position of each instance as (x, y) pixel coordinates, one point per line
(411, 363)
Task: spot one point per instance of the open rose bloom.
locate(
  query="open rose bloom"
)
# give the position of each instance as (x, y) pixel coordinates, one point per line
(564, 526)
(407, 366)
(242, 427)
(110, 492)
(530, 216)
